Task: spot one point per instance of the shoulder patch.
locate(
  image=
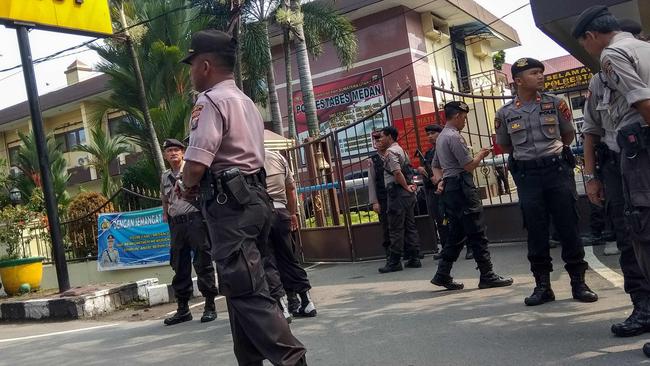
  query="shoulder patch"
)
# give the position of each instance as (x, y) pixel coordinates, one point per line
(497, 123)
(564, 110)
(608, 69)
(194, 119)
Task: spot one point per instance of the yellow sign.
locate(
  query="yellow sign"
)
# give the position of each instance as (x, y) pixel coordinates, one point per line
(86, 17)
(569, 79)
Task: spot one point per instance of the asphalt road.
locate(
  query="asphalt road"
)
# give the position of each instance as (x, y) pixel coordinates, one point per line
(370, 319)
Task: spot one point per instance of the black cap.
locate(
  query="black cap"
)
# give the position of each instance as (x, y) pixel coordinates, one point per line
(172, 142)
(631, 26)
(211, 40)
(110, 237)
(524, 64)
(433, 128)
(458, 106)
(586, 17)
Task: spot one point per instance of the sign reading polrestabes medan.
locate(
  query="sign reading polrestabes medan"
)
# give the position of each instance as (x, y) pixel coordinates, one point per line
(85, 17)
(569, 79)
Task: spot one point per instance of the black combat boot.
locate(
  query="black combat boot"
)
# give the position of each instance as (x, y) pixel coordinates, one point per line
(209, 311)
(183, 314)
(414, 261)
(490, 279)
(646, 349)
(542, 292)
(307, 306)
(579, 288)
(443, 277)
(637, 323)
(393, 264)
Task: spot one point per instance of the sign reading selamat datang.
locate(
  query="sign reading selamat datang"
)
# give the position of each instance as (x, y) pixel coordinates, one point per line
(567, 80)
(86, 17)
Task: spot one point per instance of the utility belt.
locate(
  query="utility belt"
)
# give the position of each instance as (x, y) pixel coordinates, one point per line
(181, 219)
(231, 184)
(457, 182)
(547, 161)
(633, 139)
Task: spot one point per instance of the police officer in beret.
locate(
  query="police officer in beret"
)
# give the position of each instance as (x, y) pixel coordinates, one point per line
(605, 188)
(398, 179)
(626, 102)
(224, 163)
(453, 166)
(188, 236)
(536, 129)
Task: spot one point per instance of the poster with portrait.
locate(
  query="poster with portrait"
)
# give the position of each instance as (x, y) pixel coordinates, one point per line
(132, 239)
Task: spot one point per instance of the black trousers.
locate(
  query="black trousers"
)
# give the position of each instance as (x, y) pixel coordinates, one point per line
(464, 212)
(436, 214)
(404, 238)
(258, 327)
(634, 281)
(293, 276)
(187, 238)
(597, 219)
(636, 190)
(383, 220)
(550, 193)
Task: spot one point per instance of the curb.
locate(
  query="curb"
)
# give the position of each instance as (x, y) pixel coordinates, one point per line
(164, 293)
(84, 306)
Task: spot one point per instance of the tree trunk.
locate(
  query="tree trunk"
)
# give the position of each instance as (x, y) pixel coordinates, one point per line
(304, 70)
(293, 133)
(142, 97)
(274, 102)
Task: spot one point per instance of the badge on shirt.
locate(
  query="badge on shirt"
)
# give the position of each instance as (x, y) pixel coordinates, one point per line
(515, 126)
(549, 119)
(547, 106)
(196, 112)
(564, 110)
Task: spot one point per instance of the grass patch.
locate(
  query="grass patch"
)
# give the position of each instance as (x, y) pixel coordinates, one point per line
(360, 217)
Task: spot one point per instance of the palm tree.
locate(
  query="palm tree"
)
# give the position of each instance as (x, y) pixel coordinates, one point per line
(103, 150)
(313, 24)
(30, 177)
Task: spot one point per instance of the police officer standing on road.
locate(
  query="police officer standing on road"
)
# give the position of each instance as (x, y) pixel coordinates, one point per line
(453, 166)
(378, 196)
(606, 189)
(536, 129)
(433, 200)
(398, 174)
(282, 189)
(626, 99)
(188, 235)
(225, 157)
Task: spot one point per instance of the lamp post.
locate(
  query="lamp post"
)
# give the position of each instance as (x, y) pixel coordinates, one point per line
(15, 196)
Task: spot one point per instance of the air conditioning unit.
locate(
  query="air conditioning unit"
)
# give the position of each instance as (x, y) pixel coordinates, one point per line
(434, 28)
(480, 47)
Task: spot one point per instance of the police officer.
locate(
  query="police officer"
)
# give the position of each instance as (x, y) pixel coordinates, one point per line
(606, 189)
(188, 235)
(536, 129)
(453, 166)
(378, 196)
(110, 256)
(404, 239)
(282, 189)
(625, 101)
(225, 157)
(433, 200)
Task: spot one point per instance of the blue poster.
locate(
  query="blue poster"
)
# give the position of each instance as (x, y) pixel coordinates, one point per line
(132, 239)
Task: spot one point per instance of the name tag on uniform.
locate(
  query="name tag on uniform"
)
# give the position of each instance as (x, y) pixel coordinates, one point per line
(512, 119)
(547, 106)
(549, 119)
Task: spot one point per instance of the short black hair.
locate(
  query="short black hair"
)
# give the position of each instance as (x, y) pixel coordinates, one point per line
(390, 131)
(433, 128)
(603, 24)
(451, 112)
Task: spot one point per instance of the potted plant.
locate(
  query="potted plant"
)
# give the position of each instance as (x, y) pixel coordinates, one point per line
(16, 270)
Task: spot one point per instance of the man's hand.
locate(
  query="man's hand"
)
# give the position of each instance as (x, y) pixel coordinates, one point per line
(484, 152)
(412, 188)
(422, 171)
(441, 187)
(164, 216)
(294, 222)
(595, 192)
(376, 207)
(186, 193)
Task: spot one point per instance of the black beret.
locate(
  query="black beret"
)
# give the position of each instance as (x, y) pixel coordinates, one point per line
(586, 17)
(432, 128)
(211, 40)
(524, 64)
(631, 26)
(458, 106)
(172, 142)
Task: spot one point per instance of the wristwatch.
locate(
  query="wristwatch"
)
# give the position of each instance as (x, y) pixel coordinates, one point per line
(588, 177)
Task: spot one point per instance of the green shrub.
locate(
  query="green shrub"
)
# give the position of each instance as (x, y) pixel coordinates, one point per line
(82, 232)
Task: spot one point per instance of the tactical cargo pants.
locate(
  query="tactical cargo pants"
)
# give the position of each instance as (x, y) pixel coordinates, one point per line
(187, 237)
(404, 238)
(436, 214)
(258, 327)
(550, 191)
(293, 276)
